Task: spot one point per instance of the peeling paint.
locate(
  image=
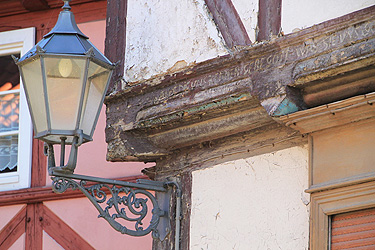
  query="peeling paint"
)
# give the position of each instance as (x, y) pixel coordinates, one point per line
(248, 12)
(160, 34)
(285, 107)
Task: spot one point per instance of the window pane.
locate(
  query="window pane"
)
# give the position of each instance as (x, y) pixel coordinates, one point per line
(9, 75)
(9, 114)
(8, 153)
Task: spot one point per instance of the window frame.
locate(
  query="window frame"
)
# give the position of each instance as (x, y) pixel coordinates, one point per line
(19, 42)
(335, 201)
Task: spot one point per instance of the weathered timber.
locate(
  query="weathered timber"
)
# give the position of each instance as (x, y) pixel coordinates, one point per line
(115, 39)
(269, 19)
(35, 5)
(246, 144)
(228, 22)
(335, 114)
(233, 94)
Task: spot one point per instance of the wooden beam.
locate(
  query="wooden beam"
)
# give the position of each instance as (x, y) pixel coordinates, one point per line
(61, 232)
(269, 19)
(34, 230)
(35, 5)
(115, 41)
(229, 22)
(40, 194)
(13, 230)
(238, 92)
(39, 165)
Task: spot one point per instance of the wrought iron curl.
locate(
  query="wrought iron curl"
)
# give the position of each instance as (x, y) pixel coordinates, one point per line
(61, 184)
(121, 204)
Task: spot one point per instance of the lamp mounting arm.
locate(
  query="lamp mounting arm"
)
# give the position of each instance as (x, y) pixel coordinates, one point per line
(72, 162)
(121, 201)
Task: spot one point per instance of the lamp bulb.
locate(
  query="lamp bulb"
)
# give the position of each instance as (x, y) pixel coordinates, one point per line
(65, 67)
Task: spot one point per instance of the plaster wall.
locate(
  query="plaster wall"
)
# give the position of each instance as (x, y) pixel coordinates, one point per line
(7, 213)
(299, 14)
(248, 12)
(252, 203)
(168, 35)
(50, 243)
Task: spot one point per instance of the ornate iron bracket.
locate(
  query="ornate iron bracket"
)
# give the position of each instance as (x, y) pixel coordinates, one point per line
(121, 201)
(126, 206)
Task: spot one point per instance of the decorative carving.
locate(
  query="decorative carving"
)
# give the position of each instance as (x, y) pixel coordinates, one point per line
(273, 75)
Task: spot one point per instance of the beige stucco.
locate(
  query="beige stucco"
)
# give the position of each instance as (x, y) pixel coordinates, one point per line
(252, 203)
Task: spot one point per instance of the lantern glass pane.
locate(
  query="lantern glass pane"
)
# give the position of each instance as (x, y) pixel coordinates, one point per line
(33, 84)
(97, 79)
(64, 88)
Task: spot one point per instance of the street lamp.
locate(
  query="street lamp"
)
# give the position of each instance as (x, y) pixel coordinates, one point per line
(65, 80)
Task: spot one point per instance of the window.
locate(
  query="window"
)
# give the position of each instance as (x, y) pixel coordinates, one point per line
(327, 204)
(15, 122)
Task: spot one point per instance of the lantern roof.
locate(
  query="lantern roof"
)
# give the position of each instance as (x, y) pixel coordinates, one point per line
(66, 39)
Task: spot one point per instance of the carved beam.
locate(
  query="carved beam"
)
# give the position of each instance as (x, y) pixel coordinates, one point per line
(241, 92)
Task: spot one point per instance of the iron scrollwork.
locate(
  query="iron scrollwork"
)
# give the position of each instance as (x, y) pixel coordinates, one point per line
(119, 203)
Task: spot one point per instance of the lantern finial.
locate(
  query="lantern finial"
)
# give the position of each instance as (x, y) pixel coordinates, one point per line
(66, 6)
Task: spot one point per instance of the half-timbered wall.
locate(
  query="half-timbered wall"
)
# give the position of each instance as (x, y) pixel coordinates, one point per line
(204, 84)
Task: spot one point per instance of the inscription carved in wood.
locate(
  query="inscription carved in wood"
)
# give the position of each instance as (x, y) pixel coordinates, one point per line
(255, 84)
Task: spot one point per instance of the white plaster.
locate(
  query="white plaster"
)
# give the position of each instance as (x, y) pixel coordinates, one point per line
(160, 34)
(299, 14)
(253, 203)
(248, 12)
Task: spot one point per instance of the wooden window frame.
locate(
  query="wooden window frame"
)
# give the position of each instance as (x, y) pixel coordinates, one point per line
(19, 42)
(336, 201)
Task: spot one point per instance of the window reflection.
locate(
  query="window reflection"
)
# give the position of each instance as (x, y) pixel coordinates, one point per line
(9, 114)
